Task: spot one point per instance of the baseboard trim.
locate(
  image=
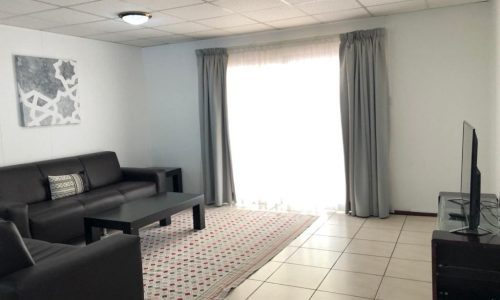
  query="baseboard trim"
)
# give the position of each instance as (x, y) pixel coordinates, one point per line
(414, 213)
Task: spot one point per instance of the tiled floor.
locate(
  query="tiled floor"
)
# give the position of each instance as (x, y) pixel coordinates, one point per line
(346, 258)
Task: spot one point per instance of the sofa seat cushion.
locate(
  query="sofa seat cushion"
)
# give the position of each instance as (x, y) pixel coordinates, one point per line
(56, 220)
(99, 200)
(14, 254)
(133, 190)
(41, 250)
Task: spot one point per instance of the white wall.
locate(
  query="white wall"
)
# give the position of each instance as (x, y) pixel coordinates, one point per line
(111, 92)
(439, 68)
(496, 83)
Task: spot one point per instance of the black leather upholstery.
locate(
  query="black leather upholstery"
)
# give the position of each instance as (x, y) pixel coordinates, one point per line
(102, 168)
(22, 183)
(56, 220)
(41, 250)
(105, 270)
(17, 213)
(14, 255)
(99, 199)
(135, 189)
(152, 175)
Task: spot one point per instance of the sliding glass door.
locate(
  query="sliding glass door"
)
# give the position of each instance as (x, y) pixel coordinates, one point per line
(285, 128)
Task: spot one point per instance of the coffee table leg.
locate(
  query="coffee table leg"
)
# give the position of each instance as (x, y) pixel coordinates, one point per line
(92, 234)
(199, 216)
(166, 221)
(130, 230)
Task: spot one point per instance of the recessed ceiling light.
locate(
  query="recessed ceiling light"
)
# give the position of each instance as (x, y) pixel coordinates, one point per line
(135, 17)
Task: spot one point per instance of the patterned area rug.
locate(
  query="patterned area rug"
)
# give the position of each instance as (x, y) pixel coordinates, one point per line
(179, 263)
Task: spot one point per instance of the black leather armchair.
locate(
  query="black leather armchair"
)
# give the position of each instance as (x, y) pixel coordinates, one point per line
(108, 269)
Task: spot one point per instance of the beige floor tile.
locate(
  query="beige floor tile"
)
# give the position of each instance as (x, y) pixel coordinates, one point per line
(349, 283)
(415, 252)
(266, 271)
(318, 295)
(244, 290)
(299, 276)
(399, 289)
(394, 222)
(285, 254)
(343, 219)
(413, 237)
(375, 265)
(269, 291)
(377, 234)
(367, 247)
(300, 240)
(424, 226)
(422, 219)
(409, 269)
(326, 243)
(314, 257)
(338, 230)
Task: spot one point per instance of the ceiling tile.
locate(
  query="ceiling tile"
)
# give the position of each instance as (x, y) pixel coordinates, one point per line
(342, 15)
(197, 12)
(4, 15)
(108, 8)
(29, 22)
(17, 7)
(142, 43)
(174, 38)
(274, 14)
(248, 5)
(300, 21)
(79, 30)
(146, 33)
(227, 21)
(115, 36)
(159, 19)
(209, 33)
(398, 7)
(323, 6)
(65, 2)
(65, 16)
(155, 5)
(114, 25)
(442, 3)
(377, 2)
(186, 27)
(249, 28)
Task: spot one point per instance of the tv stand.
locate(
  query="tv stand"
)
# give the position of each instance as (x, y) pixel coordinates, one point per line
(465, 266)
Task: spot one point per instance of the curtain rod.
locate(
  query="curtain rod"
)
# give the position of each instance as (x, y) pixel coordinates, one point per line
(285, 42)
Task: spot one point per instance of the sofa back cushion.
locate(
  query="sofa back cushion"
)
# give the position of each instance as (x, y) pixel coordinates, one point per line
(14, 255)
(22, 183)
(101, 168)
(58, 167)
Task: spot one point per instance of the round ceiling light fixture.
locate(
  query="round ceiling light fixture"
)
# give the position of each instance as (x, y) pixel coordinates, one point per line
(135, 17)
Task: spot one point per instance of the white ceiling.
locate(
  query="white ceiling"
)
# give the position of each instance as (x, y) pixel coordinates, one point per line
(176, 21)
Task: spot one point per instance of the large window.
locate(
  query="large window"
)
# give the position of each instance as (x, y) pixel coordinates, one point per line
(284, 126)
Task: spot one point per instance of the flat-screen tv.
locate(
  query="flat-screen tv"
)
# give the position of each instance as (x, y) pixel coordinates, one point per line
(471, 179)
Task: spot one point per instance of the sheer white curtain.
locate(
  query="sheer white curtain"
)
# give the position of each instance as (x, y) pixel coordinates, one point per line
(284, 126)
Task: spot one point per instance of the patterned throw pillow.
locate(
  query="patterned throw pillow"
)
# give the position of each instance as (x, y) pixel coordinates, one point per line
(67, 185)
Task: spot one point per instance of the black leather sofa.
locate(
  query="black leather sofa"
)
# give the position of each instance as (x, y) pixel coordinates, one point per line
(25, 194)
(34, 270)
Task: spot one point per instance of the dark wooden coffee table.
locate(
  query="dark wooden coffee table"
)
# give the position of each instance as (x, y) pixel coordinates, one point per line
(136, 214)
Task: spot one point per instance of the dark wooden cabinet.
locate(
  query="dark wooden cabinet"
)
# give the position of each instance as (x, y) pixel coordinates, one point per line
(465, 266)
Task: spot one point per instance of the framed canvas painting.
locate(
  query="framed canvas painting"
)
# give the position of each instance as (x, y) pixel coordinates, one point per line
(47, 91)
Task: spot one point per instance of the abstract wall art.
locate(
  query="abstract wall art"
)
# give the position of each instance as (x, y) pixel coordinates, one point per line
(47, 91)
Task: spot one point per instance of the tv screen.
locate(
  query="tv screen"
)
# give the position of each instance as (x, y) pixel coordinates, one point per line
(467, 145)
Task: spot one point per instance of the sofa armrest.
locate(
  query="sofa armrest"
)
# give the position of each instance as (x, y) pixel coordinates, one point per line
(108, 269)
(155, 175)
(17, 213)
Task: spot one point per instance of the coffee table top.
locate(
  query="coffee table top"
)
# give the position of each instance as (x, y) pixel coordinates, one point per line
(146, 207)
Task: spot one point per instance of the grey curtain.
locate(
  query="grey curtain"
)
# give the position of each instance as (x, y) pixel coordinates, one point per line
(364, 102)
(216, 155)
